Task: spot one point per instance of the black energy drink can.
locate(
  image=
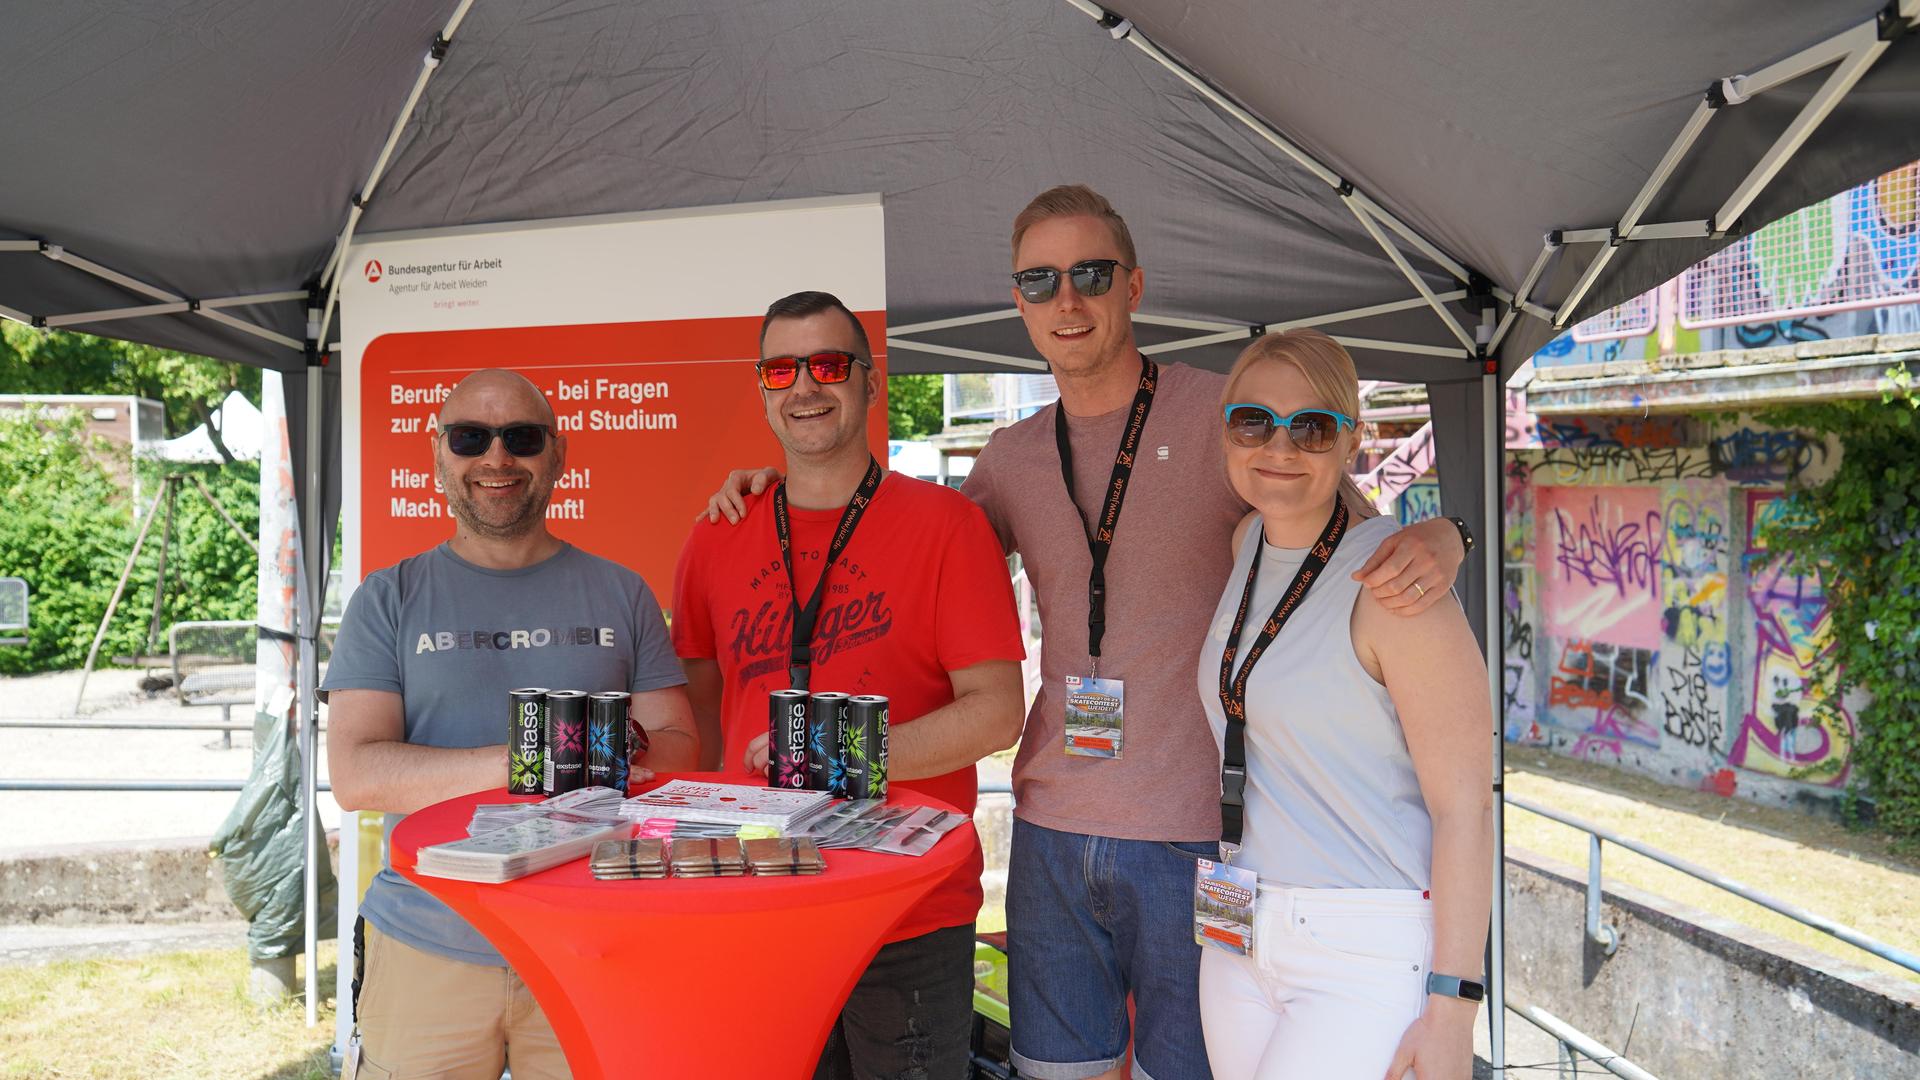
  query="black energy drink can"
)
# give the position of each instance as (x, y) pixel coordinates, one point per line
(826, 714)
(787, 742)
(566, 741)
(527, 741)
(863, 747)
(607, 718)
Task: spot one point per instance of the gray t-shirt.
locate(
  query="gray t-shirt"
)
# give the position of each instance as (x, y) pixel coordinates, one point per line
(452, 639)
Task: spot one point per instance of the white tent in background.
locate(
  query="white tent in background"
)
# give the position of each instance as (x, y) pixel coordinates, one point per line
(239, 425)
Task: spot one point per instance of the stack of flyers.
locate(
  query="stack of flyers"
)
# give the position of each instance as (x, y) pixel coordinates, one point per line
(917, 833)
(864, 821)
(698, 857)
(517, 850)
(785, 809)
(784, 856)
(581, 804)
(626, 860)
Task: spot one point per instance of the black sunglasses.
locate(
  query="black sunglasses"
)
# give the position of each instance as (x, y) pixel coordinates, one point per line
(1090, 277)
(472, 440)
(827, 366)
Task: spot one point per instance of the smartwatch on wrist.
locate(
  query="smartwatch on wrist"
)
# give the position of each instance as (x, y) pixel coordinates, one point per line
(1466, 534)
(1454, 986)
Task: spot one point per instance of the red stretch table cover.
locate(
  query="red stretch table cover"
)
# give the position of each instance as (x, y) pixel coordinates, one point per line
(729, 977)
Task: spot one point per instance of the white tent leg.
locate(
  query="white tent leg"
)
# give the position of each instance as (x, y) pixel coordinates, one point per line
(313, 550)
(1493, 447)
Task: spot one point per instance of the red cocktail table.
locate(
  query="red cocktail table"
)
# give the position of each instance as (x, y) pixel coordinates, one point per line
(728, 977)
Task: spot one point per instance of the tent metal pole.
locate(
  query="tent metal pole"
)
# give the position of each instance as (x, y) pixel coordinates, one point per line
(1123, 29)
(1365, 218)
(1548, 245)
(1812, 58)
(967, 354)
(1396, 346)
(244, 326)
(55, 322)
(1185, 324)
(1670, 230)
(428, 65)
(1493, 440)
(61, 255)
(1689, 134)
(948, 324)
(1365, 312)
(1201, 341)
(313, 551)
(19, 245)
(16, 315)
(1828, 98)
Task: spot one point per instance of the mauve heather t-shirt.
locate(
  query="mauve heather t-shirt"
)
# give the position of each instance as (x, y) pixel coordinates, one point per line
(1171, 554)
(452, 638)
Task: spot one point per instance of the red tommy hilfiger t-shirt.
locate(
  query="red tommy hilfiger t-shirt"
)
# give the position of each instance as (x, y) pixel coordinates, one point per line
(921, 590)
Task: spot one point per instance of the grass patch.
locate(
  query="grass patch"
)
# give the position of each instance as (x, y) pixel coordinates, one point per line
(1860, 879)
(162, 1016)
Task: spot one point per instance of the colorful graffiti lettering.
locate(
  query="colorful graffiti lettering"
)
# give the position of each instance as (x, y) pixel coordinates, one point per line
(1693, 587)
(1604, 545)
(1517, 654)
(1614, 681)
(1750, 456)
(1616, 432)
(1419, 502)
(1610, 465)
(1796, 726)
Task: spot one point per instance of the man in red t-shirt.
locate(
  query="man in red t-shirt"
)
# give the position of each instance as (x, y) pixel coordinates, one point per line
(916, 606)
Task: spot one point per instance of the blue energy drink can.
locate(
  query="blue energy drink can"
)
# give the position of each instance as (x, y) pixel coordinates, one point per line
(826, 715)
(607, 718)
(787, 738)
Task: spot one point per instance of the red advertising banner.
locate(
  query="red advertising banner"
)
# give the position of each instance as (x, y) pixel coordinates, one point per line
(653, 413)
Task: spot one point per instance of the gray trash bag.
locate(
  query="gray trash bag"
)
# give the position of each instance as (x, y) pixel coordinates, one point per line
(259, 849)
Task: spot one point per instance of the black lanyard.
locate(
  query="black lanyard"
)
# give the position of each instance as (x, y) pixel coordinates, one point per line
(800, 656)
(1233, 689)
(1100, 537)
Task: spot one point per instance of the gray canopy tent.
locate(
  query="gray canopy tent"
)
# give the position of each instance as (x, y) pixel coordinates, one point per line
(1441, 185)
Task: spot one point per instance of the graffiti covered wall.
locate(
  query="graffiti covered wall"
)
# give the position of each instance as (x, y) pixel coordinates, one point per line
(1647, 626)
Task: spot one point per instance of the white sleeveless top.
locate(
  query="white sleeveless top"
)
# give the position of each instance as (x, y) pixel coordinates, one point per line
(1332, 799)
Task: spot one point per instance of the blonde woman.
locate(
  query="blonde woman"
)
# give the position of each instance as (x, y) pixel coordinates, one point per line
(1367, 774)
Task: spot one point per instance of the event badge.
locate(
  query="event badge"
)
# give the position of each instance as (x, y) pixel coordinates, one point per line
(350, 1061)
(1095, 714)
(1223, 899)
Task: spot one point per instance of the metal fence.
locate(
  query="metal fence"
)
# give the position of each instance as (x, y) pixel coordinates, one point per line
(1000, 398)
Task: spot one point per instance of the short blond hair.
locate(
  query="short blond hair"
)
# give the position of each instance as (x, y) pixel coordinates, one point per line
(1328, 369)
(1074, 200)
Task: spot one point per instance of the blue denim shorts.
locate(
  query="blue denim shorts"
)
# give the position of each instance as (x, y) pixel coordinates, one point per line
(1090, 920)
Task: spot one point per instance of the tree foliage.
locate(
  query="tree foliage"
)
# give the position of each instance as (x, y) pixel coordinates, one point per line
(1860, 530)
(69, 524)
(58, 362)
(915, 408)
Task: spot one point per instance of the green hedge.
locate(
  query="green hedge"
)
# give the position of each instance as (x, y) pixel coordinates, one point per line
(66, 525)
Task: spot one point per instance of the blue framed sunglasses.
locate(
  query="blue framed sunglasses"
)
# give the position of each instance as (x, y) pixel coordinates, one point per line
(1312, 430)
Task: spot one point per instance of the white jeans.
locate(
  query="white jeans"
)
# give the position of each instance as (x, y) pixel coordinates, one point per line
(1336, 978)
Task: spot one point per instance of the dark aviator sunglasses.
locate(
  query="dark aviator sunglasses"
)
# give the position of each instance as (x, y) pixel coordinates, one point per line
(473, 440)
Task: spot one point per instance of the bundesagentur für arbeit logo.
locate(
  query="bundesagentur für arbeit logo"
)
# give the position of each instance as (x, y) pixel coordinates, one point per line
(374, 270)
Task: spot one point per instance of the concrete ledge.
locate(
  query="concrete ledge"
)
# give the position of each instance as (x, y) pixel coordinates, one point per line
(1700, 996)
(159, 881)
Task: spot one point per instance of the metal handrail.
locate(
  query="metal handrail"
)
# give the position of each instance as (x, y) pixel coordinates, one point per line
(128, 785)
(1572, 1037)
(1746, 892)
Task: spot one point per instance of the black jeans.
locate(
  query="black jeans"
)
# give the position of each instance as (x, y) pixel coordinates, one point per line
(911, 1015)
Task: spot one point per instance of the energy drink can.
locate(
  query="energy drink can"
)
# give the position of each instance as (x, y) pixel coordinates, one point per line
(607, 718)
(863, 747)
(566, 741)
(787, 743)
(527, 741)
(826, 715)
